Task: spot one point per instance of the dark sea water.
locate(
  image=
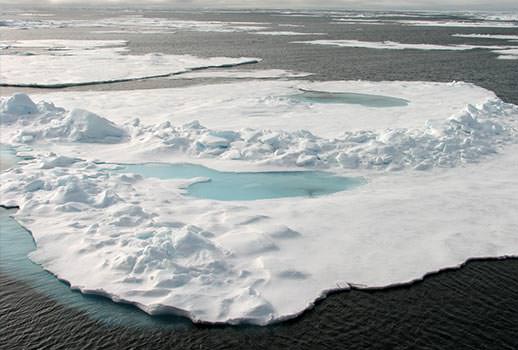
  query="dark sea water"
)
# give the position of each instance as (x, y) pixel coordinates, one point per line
(475, 307)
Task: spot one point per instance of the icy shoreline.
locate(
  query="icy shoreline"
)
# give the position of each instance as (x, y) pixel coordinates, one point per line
(236, 262)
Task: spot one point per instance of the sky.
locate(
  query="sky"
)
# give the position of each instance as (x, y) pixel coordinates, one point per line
(483, 5)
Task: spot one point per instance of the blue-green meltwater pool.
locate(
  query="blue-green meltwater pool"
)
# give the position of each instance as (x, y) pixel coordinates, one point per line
(366, 100)
(232, 186)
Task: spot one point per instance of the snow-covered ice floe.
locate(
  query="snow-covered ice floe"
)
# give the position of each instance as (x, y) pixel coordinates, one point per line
(510, 54)
(243, 74)
(76, 62)
(285, 33)
(464, 24)
(393, 45)
(137, 24)
(512, 38)
(142, 241)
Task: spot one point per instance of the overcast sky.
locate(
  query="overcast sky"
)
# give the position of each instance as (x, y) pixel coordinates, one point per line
(487, 5)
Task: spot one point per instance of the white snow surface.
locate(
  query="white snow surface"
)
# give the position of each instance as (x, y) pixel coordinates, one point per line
(261, 104)
(142, 241)
(78, 63)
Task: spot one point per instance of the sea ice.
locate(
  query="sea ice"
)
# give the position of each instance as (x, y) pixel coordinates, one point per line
(143, 241)
(512, 38)
(285, 33)
(242, 74)
(466, 24)
(392, 45)
(276, 105)
(79, 66)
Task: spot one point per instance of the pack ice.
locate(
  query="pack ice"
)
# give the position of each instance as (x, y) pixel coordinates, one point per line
(144, 241)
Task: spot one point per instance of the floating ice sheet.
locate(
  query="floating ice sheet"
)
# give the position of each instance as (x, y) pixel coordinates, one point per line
(223, 262)
(220, 261)
(78, 62)
(242, 74)
(509, 37)
(393, 45)
(453, 23)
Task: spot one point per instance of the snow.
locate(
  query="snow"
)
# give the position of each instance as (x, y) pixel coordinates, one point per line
(268, 105)
(79, 64)
(392, 45)
(143, 241)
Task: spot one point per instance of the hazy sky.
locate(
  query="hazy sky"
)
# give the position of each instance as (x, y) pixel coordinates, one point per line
(495, 5)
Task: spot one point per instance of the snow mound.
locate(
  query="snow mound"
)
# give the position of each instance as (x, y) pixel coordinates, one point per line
(466, 137)
(17, 105)
(462, 138)
(84, 126)
(45, 121)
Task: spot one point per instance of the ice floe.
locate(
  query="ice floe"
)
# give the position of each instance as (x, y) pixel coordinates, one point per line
(243, 74)
(512, 38)
(137, 23)
(510, 54)
(60, 44)
(144, 241)
(455, 23)
(393, 45)
(78, 63)
(285, 33)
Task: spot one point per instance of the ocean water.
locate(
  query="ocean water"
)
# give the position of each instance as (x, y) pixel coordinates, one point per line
(475, 307)
(232, 186)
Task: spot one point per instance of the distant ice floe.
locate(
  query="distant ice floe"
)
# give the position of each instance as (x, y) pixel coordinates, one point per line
(243, 74)
(511, 54)
(393, 45)
(69, 63)
(143, 241)
(457, 23)
(512, 38)
(285, 33)
(137, 24)
(61, 45)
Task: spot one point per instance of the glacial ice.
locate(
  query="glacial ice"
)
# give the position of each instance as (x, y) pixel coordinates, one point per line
(235, 262)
